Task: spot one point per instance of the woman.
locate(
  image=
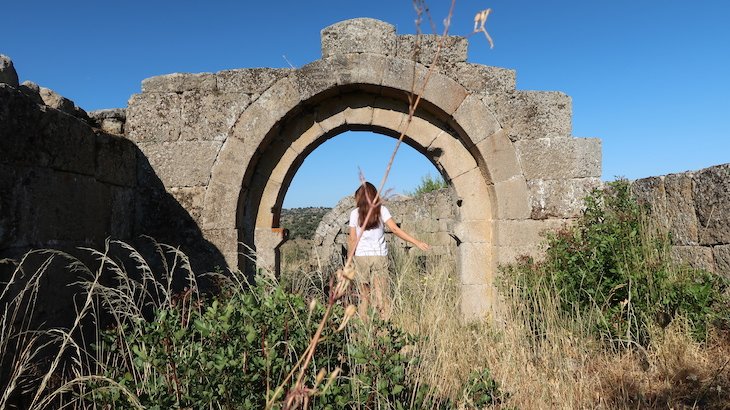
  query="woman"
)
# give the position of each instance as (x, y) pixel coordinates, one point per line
(371, 251)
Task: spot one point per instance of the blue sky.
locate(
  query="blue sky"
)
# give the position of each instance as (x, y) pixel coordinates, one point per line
(651, 78)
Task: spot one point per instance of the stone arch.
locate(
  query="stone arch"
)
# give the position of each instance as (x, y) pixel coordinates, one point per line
(367, 91)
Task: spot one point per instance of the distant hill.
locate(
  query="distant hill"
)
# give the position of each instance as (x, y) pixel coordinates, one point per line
(302, 222)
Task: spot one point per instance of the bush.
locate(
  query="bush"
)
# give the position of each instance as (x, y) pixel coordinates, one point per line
(429, 184)
(614, 267)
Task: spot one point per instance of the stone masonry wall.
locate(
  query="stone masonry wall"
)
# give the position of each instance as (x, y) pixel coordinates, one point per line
(429, 217)
(695, 207)
(62, 182)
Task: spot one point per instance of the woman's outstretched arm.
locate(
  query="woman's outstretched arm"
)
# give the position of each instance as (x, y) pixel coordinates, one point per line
(403, 235)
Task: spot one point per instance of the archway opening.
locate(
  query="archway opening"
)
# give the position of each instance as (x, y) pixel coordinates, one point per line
(324, 183)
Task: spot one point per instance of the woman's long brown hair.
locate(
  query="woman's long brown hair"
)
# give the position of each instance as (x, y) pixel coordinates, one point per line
(363, 197)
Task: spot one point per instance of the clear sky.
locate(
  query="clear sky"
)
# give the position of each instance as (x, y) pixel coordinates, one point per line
(651, 78)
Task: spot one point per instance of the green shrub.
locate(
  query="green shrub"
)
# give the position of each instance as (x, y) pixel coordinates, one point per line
(613, 267)
(429, 184)
(236, 348)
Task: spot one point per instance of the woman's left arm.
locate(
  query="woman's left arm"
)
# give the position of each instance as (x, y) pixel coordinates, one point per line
(403, 235)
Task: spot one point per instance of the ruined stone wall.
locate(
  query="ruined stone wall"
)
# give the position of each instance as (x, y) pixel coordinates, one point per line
(430, 217)
(63, 183)
(694, 207)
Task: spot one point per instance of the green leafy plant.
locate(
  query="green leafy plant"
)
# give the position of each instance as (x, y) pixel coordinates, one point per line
(614, 267)
(429, 184)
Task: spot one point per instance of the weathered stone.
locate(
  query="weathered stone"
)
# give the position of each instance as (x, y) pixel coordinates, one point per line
(650, 193)
(226, 241)
(116, 160)
(711, 189)
(560, 158)
(121, 219)
(111, 120)
(481, 79)
(154, 117)
(265, 112)
(475, 263)
(561, 198)
(681, 213)
(498, 158)
(477, 301)
(476, 119)
(179, 82)
(722, 260)
(697, 257)
(210, 116)
(34, 135)
(190, 198)
(450, 155)
(63, 104)
(32, 90)
(525, 233)
(441, 91)
(424, 48)
(475, 198)
(330, 114)
(535, 114)
(221, 204)
(360, 35)
(8, 75)
(183, 163)
(249, 80)
(512, 198)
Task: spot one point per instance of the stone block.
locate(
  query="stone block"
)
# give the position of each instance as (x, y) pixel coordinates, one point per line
(507, 255)
(116, 160)
(9, 181)
(318, 76)
(221, 205)
(63, 104)
(360, 35)
(388, 115)
(227, 168)
(560, 158)
(424, 129)
(697, 257)
(182, 163)
(481, 79)
(424, 48)
(560, 198)
(8, 75)
(110, 121)
(261, 116)
(210, 116)
(451, 156)
(399, 75)
(475, 198)
(154, 117)
(79, 211)
(476, 119)
(711, 192)
(179, 82)
(122, 216)
(535, 114)
(330, 114)
(477, 302)
(475, 263)
(650, 193)
(721, 254)
(249, 80)
(513, 200)
(527, 233)
(474, 231)
(192, 199)
(302, 132)
(441, 91)
(681, 209)
(226, 241)
(499, 157)
(33, 135)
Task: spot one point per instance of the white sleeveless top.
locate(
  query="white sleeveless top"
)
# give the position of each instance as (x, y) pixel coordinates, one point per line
(372, 242)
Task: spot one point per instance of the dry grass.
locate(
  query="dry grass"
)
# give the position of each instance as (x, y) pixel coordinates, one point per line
(550, 360)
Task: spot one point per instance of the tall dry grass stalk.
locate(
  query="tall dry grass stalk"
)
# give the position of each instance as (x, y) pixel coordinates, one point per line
(545, 358)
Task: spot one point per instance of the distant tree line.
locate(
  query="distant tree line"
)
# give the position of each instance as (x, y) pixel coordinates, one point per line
(302, 222)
